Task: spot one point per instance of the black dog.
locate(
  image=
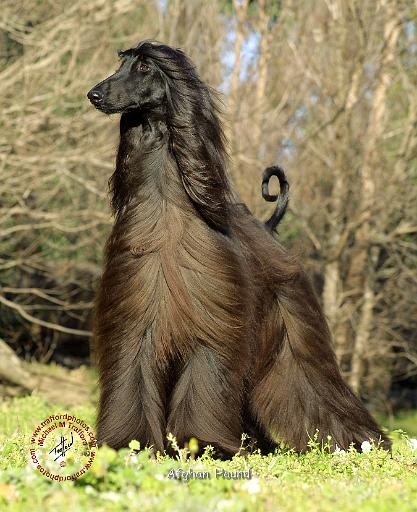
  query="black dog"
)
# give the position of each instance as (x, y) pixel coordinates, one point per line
(204, 325)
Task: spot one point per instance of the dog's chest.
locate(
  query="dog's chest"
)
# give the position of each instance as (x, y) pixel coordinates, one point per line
(171, 275)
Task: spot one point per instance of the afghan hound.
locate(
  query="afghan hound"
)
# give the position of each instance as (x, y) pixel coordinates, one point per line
(205, 326)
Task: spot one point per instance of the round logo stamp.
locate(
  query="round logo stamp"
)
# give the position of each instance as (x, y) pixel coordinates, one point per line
(63, 447)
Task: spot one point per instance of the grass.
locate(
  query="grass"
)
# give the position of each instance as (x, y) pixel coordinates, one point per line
(131, 480)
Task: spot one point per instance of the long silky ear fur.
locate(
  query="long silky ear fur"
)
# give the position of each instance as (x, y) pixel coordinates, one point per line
(197, 138)
(198, 147)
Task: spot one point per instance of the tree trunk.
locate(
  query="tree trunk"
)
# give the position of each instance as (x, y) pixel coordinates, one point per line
(332, 290)
(234, 96)
(358, 278)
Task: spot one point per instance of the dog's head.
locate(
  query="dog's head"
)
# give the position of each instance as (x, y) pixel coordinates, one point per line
(144, 79)
(156, 81)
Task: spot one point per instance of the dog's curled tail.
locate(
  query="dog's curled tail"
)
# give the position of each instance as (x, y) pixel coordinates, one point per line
(281, 198)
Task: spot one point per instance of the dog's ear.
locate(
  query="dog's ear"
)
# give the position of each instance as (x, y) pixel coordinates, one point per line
(203, 176)
(196, 139)
(209, 198)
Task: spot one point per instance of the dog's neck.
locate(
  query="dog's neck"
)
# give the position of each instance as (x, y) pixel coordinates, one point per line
(145, 166)
(136, 118)
(178, 162)
(151, 204)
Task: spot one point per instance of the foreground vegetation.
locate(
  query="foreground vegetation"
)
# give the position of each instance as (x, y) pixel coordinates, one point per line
(131, 480)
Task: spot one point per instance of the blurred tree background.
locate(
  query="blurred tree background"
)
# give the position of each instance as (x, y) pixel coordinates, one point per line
(327, 89)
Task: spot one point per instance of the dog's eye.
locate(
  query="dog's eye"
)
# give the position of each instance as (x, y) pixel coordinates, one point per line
(143, 67)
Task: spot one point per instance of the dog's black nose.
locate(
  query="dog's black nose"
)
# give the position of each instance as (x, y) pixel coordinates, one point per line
(95, 96)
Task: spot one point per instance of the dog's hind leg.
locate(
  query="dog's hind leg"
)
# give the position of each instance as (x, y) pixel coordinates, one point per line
(300, 389)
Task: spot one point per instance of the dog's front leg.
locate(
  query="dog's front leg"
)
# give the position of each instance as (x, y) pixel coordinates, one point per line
(132, 394)
(206, 403)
